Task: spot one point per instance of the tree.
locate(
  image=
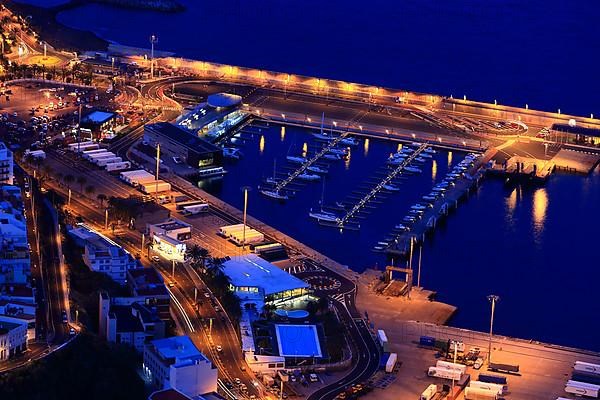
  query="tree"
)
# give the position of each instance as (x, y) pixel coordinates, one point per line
(81, 180)
(149, 245)
(197, 256)
(101, 198)
(89, 189)
(68, 179)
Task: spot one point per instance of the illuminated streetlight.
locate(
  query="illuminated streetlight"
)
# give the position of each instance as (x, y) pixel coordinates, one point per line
(283, 116)
(245, 189)
(361, 128)
(414, 136)
(493, 299)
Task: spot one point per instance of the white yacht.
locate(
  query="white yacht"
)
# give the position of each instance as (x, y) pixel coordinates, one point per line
(274, 194)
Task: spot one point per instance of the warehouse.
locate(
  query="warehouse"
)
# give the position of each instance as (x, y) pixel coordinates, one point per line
(217, 115)
(178, 142)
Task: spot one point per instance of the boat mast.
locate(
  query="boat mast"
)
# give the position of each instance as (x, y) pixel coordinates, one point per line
(322, 121)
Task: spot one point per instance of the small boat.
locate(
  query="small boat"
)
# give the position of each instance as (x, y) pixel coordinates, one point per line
(323, 216)
(425, 155)
(296, 159)
(420, 160)
(378, 248)
(408, 219)
(430, 150)
(349, 141)
(340, 204)
(414, 170)
(329, 156)
(322, 136)
(316, 169)
(416, 213)
(438, 189)
(416, 144)
(401, 227)
(418, 207)
(336, 150)
(232, 153)
(383, 244)
(391, 188)
(429, 198)
(395, 161)
(309, 177)
(274, 194)
(272, 181)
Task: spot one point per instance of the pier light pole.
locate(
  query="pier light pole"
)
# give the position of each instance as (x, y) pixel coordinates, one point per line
(493, 299)
(419, 269)
(245, 189)
(153, 40)
(157, 168)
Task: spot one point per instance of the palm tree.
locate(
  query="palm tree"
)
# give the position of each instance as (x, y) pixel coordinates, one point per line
(81, 180)
(68, 180)
(101, 198)
(89, 189)
(149, 245)
(215, 268)
(197, 256)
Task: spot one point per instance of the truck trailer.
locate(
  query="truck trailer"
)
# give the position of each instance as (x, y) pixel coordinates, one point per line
(508, 368)
(101, 162)
(118, 166)
(444, 373)
(383, 340)
(155, 187)
(391, 363)
(589, 368)
(449, 365)
(429, 393)
(195, 209)
(472, 393)
(582, 389)
(494, 387)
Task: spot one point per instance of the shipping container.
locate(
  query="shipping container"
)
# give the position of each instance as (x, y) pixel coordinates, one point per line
(586, 377)
(87, 153)
(101, 154)
(182, 204)
(90, 146)
(383, 360)
(266, 248)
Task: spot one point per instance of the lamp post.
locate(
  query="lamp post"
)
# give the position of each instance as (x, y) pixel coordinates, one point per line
(245, 189)
(153, 40)
(493, 299)
(157, 169)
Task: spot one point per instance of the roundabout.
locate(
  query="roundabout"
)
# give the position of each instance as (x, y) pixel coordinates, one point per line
(48, 61)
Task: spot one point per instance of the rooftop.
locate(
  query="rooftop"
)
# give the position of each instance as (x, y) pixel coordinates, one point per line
(224, 100)
(97, 117)
(168, 394)
(183, 137)
(146, 282)
(178, 347)
(253, 271)
(171, 225)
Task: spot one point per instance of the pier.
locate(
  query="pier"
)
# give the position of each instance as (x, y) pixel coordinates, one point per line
(371, 194)
(400, 246)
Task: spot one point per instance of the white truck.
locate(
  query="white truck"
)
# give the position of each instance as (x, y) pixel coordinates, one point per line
(444, 373)
(108, 160)
(472, 393)
(195, 209)
(589, 368)
(383, 340)
(582, 389)
(449, 365)
(391, 363)
(101, 154)
(494, 387)
(429, 393)
(118, 166)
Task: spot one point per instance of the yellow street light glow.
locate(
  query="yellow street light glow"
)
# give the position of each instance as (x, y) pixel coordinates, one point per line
(387, 131)
(414, 136)
(440, 139)
(360, 126)
(308, 119)
(334, 123)
(283, 116)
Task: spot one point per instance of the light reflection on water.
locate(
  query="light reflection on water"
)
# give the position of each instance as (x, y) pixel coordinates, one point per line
(540, 205)
(366, 147)
(434, 170)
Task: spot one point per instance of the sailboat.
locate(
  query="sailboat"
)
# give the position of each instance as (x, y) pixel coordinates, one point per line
(323, 215)
(322, 135)
(274, 194)
(272, 179)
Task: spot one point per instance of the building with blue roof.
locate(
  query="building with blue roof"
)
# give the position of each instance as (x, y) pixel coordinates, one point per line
(177, 363)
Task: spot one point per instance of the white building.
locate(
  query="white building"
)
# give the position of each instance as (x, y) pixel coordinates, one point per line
(101, 254)
(13, 339)
(168, 237)
(19, 312)
(6, 165)
(15, 264)
(127, 320)
(177, 363)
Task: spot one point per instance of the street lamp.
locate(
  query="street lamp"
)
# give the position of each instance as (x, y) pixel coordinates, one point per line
(245, 189)
(153, 40)
(493, 299)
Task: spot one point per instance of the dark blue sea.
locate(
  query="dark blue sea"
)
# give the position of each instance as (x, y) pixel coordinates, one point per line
(535, 247)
